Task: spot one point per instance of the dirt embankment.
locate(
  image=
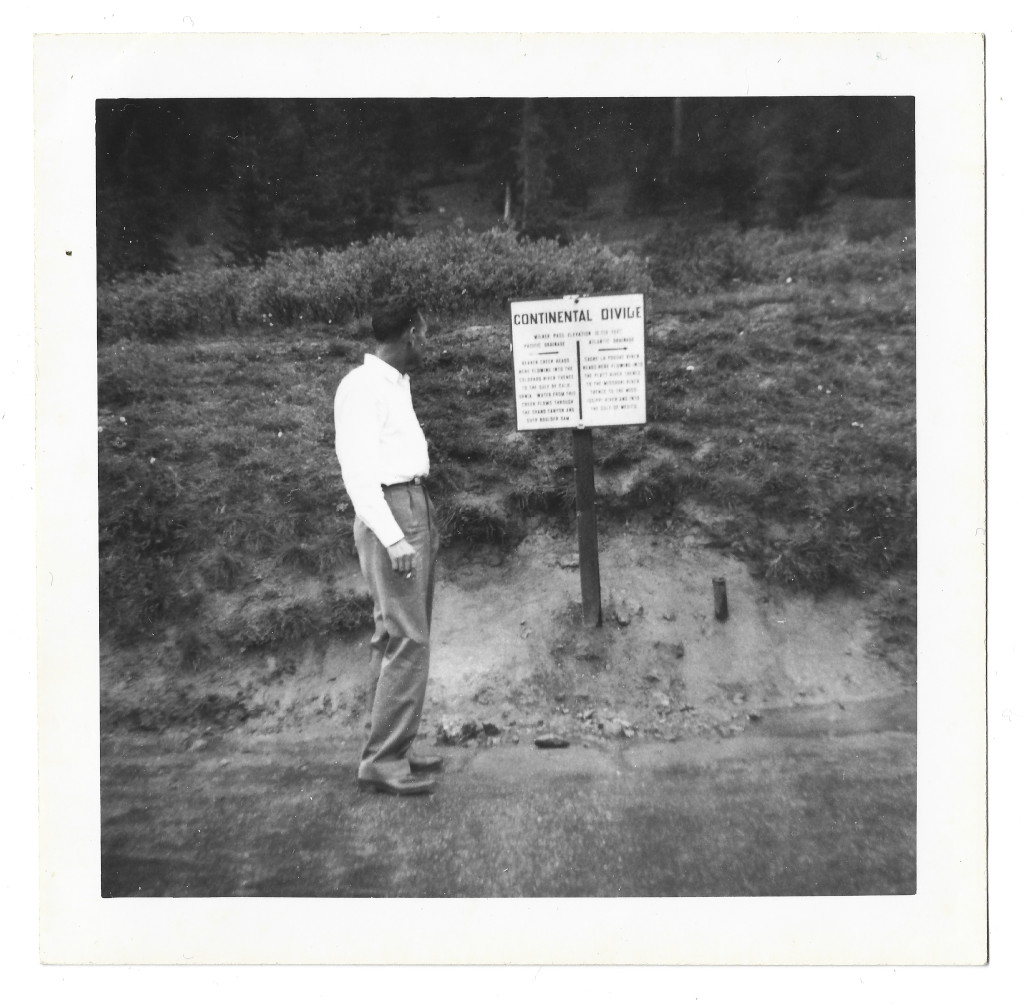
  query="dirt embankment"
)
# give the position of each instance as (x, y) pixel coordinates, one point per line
(511, 656)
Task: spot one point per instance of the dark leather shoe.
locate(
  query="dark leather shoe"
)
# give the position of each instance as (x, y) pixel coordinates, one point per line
(425, 764)
(405, 784)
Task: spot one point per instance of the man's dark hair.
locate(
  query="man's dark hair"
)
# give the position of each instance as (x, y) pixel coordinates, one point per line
(392, 318)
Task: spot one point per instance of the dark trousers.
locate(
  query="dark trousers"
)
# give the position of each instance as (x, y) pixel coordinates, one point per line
(400, 648)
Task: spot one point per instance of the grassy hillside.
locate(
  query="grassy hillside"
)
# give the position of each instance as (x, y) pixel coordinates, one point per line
(781, 410)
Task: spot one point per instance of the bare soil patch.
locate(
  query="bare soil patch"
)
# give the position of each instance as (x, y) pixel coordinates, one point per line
(512, 657)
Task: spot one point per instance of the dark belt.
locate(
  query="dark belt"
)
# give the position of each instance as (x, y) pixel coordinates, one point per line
(404, 484)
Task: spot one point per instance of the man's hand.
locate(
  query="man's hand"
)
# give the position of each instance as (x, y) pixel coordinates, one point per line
(402, 554)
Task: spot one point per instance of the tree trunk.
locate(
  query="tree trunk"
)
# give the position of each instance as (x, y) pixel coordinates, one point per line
(525, 158)
(676, 155)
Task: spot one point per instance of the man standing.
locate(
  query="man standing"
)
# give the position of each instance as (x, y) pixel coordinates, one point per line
(383, 456)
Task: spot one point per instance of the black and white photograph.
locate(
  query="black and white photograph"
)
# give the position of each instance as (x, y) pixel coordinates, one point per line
(512, 497)
(281, 279)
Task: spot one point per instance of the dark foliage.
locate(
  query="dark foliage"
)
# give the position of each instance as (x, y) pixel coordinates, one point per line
(305, 173)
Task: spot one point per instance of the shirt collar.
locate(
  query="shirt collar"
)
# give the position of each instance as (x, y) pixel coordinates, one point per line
(386, 370)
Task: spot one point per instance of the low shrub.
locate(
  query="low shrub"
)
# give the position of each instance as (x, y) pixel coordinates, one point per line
(164, 307)
(695, 261)
(452, 273)
(864, 534)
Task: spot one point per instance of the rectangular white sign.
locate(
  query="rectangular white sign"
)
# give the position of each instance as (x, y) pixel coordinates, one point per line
(579, 361)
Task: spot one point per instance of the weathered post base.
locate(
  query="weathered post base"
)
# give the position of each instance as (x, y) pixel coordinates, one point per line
(721, 599)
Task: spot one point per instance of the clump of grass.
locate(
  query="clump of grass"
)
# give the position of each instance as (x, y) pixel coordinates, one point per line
(673, 438)
(273, 624)
(352, 611)
(116, 389)
(783, 491)
(816, 565)
(302, 558)
(514, 450)
(193, 648)
(653, 486)
(731, 359)
(222, 570)
(475, 519)
(618, 448)
(531, 497)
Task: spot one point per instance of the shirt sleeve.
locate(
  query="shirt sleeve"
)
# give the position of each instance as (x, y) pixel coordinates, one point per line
(358, 418)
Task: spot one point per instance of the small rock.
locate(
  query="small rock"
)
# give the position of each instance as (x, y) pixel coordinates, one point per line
(550, 741)
(452, 730)
(653, 677)
(617, 727)
(569, 562)
(490, 729)
(739, 698)
(668, 617)
(623, 611)
(661, 700)
(197, 745)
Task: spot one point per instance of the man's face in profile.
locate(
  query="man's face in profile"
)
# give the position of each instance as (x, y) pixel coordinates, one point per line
(418, 342)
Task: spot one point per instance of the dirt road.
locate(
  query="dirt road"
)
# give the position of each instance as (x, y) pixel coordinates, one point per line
(806, 801)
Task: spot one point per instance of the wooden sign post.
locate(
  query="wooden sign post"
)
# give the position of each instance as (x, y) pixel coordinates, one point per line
(579, 363)
(586, 526)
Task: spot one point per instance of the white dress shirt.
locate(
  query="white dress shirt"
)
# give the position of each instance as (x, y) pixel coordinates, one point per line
(378, 440)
